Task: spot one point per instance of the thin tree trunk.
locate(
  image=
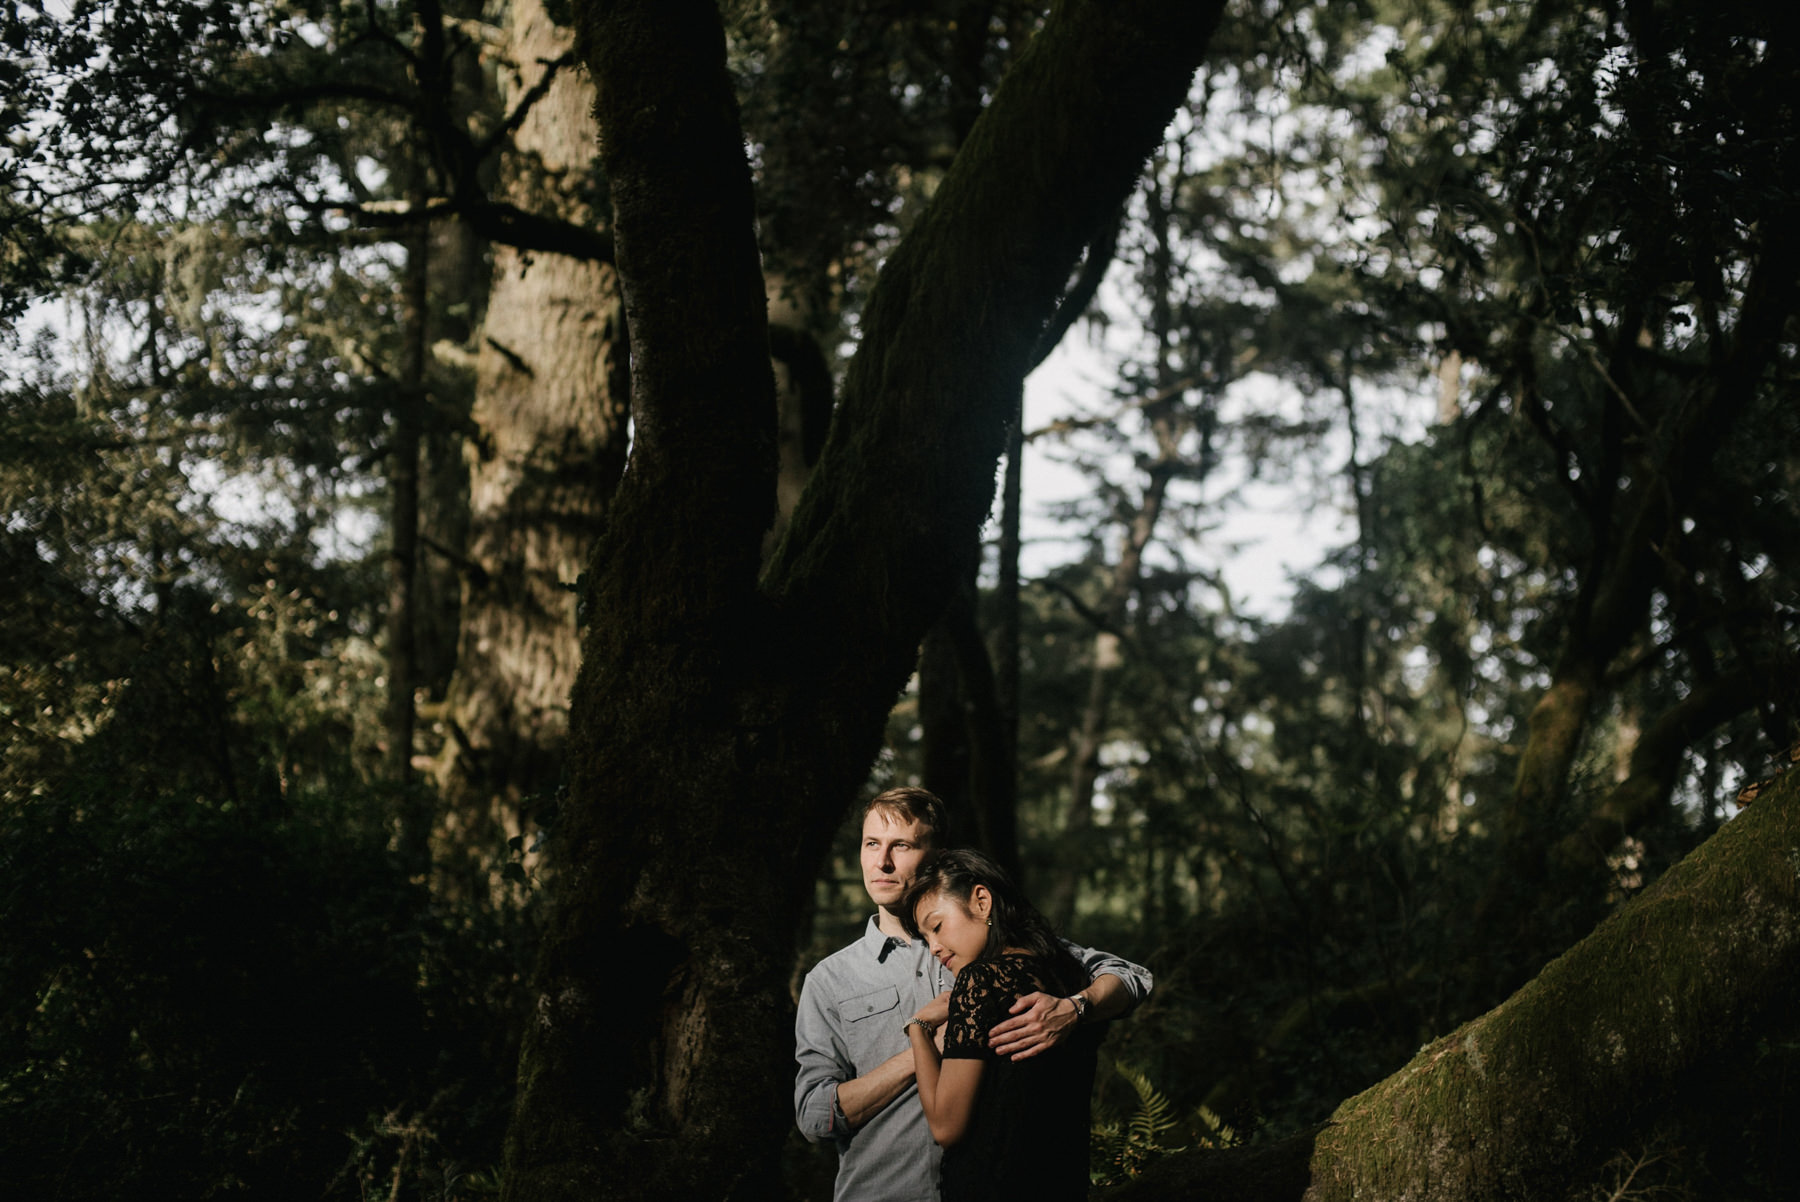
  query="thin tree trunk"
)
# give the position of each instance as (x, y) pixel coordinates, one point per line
(968, 755)
(944, 742)
(403, 554)
(1003, 818)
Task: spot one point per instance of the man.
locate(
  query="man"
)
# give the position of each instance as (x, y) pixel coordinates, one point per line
(855, 1082)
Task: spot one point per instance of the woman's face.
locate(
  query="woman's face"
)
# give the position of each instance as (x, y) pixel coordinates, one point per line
(956, 933)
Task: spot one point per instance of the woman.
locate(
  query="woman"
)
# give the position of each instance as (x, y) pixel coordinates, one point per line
(1008, 1128)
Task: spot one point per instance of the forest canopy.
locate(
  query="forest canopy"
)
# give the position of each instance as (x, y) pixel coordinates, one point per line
(490, 487)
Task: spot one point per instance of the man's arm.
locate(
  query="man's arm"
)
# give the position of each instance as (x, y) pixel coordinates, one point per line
(1040, 1021)
(862, 1098)
(830, 1101)
(824, 1064)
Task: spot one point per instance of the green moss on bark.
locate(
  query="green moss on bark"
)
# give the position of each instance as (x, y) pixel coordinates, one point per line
(1505, 1106)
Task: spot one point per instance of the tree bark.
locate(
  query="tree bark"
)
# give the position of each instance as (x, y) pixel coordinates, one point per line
(727, 712)
(1516, 1104)
(1003, 820)
(944, 737)
(552, 380)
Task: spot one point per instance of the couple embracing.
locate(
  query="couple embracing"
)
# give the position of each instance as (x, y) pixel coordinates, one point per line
(981, 1086)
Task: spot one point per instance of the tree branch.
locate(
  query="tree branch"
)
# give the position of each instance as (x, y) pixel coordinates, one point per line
(1094, 266)
(497, 221)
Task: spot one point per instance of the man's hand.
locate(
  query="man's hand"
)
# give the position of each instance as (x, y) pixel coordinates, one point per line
(1039, 1023)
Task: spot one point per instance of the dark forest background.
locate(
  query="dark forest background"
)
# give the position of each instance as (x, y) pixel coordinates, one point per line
(316, 397)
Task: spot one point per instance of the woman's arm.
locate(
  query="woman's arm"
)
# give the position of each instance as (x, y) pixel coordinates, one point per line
(946, 1089)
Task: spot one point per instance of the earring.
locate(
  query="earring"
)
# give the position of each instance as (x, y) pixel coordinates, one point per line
(990, 922)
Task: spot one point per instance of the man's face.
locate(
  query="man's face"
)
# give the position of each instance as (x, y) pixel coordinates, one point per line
(892, 847)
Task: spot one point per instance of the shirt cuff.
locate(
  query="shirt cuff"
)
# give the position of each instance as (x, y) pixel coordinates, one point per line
(837, 1126)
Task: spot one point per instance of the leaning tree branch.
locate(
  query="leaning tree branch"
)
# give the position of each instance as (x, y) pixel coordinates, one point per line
(497, 221)
(959, 308)
(1073, 303)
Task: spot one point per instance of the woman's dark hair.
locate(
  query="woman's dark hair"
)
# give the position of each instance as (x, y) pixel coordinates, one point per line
(1015, 921)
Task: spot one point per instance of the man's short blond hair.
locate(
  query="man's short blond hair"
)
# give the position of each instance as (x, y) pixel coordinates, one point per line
(913, 804)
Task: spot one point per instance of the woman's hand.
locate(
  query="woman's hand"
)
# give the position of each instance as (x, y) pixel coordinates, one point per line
(936, 1011)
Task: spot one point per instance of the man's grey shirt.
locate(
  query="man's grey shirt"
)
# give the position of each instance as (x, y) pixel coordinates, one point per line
(852, 1008)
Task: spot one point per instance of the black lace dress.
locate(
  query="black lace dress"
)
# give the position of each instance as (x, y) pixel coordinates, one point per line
(1028, 1137)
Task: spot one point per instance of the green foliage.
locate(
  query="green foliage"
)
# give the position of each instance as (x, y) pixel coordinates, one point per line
(1120, 1146)
(239, 1000)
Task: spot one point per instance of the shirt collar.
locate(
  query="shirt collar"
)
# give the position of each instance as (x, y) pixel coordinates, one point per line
(879, 943)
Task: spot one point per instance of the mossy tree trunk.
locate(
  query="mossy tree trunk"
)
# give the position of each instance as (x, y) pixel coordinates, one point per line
(727, 712)
(1538, 1092)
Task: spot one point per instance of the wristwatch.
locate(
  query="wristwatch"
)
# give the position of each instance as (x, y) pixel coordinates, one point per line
(1080, 1002)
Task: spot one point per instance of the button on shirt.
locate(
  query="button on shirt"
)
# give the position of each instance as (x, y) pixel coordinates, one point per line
(852, 1008)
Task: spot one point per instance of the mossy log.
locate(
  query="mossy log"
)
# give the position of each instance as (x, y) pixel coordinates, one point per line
(1517, 1103)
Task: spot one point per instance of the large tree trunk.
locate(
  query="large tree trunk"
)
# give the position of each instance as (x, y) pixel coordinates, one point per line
(548, 448)
(724, 717)
(1527, 1098)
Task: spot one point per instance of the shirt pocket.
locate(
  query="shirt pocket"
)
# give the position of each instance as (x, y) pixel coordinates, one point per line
(872, 1026)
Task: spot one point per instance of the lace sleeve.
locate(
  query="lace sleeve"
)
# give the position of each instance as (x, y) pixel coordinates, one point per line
(982, 997)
